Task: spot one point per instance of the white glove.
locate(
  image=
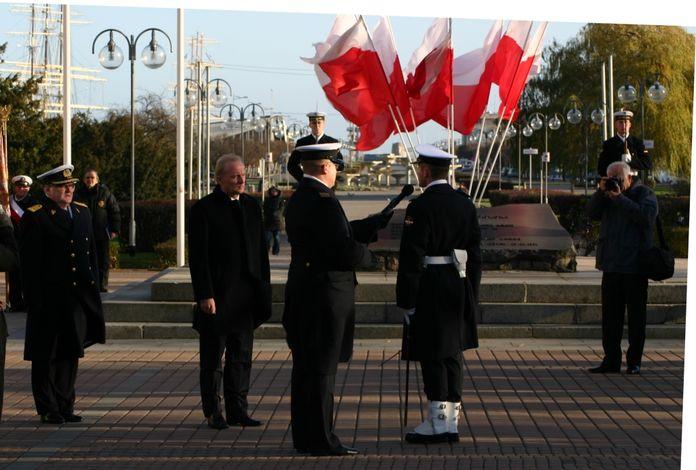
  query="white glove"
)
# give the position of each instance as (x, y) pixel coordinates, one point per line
(408, 312)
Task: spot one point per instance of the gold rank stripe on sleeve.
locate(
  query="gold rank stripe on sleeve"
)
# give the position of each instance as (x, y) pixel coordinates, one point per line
(81, 204)
(35, 207)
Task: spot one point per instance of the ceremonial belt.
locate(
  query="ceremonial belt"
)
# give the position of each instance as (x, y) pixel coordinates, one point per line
(458, 259)
(431, 260)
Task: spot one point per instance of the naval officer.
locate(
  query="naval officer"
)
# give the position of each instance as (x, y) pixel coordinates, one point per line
(317, 122)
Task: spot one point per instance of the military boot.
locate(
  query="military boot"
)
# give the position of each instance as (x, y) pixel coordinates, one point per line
(434, 429)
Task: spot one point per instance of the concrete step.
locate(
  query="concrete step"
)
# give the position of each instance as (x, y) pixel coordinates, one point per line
(115, 330)
(169, 289)
(383, 312)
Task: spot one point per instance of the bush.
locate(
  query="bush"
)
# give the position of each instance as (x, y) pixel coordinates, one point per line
(166, 253)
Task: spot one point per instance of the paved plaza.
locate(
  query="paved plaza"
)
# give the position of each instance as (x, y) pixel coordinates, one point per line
(527, 404)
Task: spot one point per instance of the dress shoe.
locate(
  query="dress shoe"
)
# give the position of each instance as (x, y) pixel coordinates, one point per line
(52, 418)
(604, 369)
(340, 451)
(216, 421)
(633, 370)
(416, 438)
(71, 418)
(245, 421)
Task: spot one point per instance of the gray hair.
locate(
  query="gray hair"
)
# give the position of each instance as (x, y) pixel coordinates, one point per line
(621, 168)
(224, 160)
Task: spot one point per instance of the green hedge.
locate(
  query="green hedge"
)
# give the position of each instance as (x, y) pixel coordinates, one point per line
(572, 215)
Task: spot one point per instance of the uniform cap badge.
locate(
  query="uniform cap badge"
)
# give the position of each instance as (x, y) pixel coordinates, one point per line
(67, 173)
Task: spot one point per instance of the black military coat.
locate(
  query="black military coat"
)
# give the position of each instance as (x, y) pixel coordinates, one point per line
(106, 215)
(294, 161)
(228, 261)
(59, 279)
(319, 314)
(444, 323)
(273, 212)
(613, 148)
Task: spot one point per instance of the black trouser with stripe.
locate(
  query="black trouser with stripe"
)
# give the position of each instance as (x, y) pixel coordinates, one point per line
(237, 347)
(53, 385)
(442, 378)
(620, 293)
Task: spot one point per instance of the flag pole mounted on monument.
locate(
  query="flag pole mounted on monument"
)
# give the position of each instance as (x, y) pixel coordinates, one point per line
(536, 43)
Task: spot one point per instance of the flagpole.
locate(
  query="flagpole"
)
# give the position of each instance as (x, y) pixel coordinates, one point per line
(536, 51)
(478, 152)
(451, 106)
(495, 136)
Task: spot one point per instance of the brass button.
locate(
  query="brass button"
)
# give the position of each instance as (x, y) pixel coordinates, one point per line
(307, 264)
(72, 241)
(72, 255)
(74, 284)
(86, 239)
(74, 269)
(92, 282)
(87, 251)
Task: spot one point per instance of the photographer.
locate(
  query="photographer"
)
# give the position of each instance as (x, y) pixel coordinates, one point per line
(627, 210)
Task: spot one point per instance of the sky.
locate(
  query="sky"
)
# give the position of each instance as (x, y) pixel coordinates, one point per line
(258, 54)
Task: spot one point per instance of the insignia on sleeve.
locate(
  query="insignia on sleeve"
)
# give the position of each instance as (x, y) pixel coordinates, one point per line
(35, 207)
(408, 221)
(101, 204)
(81, 204)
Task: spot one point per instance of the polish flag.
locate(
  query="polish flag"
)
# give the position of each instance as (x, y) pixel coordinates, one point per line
(378, 130)
(429, 73)
(471, 84)
(512, 85)
(349, 71)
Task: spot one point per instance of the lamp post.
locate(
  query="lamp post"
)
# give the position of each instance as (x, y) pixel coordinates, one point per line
(656, 93)
(591, 114)
(111, 57)
(275, 124)
(242, 112)
(218, 99)
(554, 121)
(193, 98)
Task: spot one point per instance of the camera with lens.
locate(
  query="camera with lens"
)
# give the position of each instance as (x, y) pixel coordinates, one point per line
(612, 183)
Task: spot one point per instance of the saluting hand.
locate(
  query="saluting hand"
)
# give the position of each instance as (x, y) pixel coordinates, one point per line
(207, 306)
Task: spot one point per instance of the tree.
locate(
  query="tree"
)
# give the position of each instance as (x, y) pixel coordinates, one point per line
(639, 52)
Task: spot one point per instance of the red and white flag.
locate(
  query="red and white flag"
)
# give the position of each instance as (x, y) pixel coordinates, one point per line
(471, 85)
(378, 130)
(349, 71)
(429, 73)
(511, 84)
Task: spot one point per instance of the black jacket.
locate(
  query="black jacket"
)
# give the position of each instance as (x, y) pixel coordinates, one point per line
(228, 261)
(319, 314)
(273, 212)
(294, 161)
(444, 323)
(106, 215)
(613, 148)
(626, 228)
(59, 275)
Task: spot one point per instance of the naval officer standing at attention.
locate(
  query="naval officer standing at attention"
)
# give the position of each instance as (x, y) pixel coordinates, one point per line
(623, 147)
(437, 285)
(60, 280)
(319, 315)
(317, 122)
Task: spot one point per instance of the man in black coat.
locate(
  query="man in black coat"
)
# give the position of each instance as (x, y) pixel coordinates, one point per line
(231, 283)
(319, 314)
(437, 285)
(20, 201)
(317, 122)
(627, 210)
(272, 218)
(106, 219)
(64, 309)
(623, 147)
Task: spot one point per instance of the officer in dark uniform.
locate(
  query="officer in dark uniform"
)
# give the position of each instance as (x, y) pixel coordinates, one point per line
(64, 309)
(106, 219)
(231, 283)
(20, 201)
(317, 121)
(319, 315)
(623, 147)
(437, 285)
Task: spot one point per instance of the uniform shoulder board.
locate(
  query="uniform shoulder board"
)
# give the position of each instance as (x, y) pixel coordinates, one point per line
(81, 204)
(35, 207)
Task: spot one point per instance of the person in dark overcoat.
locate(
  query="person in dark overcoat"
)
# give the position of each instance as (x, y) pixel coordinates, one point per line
(106, 219)
(64, 310)
(230, 274)
(20, 201)
(317, 122)
(272, 218)
(623, 147)
(438, 292)
(319, 313)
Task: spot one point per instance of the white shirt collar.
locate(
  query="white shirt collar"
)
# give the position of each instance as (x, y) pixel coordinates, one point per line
(317, 137)
(316, 179)
(433, 183)
(235, 197)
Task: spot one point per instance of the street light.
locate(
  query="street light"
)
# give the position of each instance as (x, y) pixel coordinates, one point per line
(193, 98)
(111, 57)
(656, 93)
(575, 115)
(553, 122)
(242, 112)
(218, 99)
(275, 125)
